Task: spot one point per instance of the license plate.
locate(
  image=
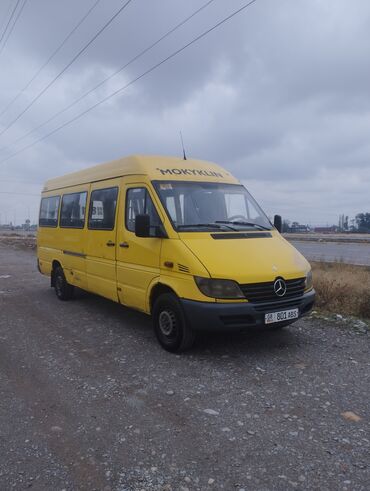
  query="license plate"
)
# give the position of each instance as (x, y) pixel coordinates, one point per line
(283, 315)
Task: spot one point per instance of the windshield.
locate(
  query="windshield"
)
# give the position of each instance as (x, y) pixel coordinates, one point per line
(207, 205)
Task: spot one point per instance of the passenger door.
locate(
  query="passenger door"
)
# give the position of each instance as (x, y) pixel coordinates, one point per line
(138, 258)
(101, 249)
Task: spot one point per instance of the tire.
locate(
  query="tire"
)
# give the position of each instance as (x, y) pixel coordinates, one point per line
(63, 290)
(170, 326)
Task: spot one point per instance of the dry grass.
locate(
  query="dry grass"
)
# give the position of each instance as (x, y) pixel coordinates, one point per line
(342, 288)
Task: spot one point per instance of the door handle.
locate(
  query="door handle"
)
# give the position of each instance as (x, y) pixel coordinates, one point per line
(110, 243)
(124, 244)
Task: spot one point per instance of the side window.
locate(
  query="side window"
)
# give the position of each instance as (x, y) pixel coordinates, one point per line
(49, 210)
(73, 210)
(102, 211)
(138, 202)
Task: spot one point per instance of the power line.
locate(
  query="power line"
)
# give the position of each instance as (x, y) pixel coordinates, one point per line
(135, 58)
(14, 23)
(50, 57)
(9, 21)
(6, 13)
(82, 50)
(136, 79)
(16, 192)
(16, 181)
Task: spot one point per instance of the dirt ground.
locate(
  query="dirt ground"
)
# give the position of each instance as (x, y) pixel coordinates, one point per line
(88, 400)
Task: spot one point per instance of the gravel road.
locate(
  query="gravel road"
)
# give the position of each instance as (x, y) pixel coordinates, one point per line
(89, 401)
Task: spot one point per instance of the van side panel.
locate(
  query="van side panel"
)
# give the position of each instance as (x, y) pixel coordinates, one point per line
(46, 256)
(66, 245)
(72, 243)
(101, 244)
(138, 258)
(48, 247)
(74, 269)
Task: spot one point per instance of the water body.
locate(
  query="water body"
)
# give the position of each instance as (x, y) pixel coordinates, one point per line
(334, 251)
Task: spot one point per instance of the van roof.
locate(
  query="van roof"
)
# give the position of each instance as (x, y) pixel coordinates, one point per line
(153, 166)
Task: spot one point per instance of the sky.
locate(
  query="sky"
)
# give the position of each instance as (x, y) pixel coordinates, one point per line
(279, 95)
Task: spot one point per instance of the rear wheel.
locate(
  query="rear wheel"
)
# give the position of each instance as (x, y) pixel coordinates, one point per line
(63, 290)
(170, 326)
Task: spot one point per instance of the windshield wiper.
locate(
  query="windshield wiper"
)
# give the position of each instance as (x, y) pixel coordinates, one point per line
(250, 224)
(206, 225)
(195, 225)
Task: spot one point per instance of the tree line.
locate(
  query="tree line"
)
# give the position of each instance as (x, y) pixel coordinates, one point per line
(363, 222)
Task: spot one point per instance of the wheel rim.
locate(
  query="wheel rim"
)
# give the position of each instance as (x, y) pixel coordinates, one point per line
(167, 323)
(58, 284)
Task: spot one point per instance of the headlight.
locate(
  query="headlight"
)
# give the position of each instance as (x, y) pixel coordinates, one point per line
(218, 288)
(308, 283)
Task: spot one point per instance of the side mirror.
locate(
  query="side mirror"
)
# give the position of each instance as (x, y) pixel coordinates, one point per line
(278, 223)
(142, 226)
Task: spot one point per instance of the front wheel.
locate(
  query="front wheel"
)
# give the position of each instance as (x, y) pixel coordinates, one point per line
(63, 290)
(170, 325)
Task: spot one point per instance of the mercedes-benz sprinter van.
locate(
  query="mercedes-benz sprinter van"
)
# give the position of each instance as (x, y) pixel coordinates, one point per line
(182, 240)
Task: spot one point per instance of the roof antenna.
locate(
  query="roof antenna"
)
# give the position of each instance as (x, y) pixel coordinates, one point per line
(183, 148)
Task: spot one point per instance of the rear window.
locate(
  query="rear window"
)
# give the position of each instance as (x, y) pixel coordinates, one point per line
(49, 210)
(102, 211)
(72, 214)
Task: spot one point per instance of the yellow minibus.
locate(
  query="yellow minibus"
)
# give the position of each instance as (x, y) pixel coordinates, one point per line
(181, 240)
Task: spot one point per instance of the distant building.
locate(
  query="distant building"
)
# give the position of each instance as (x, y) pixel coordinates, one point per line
(326, 230)
(26, 226)
(299, 229)
(295, 227)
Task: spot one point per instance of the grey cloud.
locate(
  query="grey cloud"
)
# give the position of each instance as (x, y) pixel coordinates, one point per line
(280, 96)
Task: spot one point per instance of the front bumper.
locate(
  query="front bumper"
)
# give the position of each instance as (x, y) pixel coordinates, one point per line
(208, 316)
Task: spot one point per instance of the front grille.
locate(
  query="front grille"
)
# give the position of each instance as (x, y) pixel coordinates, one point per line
(264, 292)
(277, 305)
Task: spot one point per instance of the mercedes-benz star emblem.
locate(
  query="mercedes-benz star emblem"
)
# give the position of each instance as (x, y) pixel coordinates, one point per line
(280, 287)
